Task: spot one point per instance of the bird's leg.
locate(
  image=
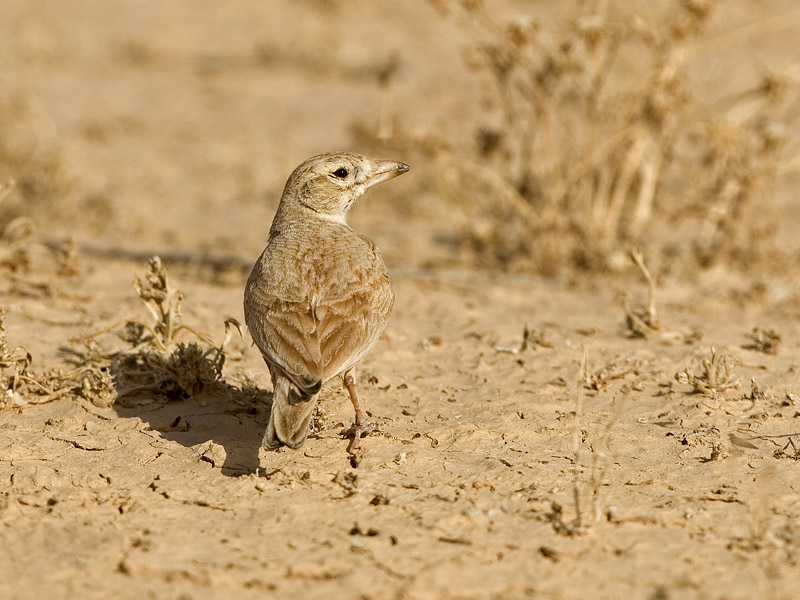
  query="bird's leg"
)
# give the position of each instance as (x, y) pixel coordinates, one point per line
(360, 427)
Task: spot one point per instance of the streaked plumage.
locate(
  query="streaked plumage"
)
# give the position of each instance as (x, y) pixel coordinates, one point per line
(319, 296)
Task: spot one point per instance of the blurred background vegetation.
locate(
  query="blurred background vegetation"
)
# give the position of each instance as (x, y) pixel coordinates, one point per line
(544, 137)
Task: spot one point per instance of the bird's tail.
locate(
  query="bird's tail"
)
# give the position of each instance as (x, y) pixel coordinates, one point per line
(290, 416)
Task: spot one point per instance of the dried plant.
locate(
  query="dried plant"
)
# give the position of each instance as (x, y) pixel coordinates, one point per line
(615, 369)
(16, 245)
(789, 450)
(164, 303)
(594, 135)
(20, 252)
(533, 339)
(96, 384)
(319, 419)
(185, 372)
(68, 258)
(13, 366)
(764, 340)
(716, 374)
(757, 393)
(156, 363)
(19, 384)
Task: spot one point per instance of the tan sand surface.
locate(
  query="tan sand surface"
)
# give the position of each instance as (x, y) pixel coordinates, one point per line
(565, 462)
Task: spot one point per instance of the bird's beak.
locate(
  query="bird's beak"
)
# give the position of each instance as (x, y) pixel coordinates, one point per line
(383, 170)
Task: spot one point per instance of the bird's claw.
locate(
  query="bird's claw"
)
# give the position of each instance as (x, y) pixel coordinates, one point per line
(356, 432)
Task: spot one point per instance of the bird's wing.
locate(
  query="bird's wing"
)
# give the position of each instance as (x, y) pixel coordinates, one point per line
(286, 334)
(349, 324)
(314, 340)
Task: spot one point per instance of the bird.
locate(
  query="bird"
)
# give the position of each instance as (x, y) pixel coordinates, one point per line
(319, 296)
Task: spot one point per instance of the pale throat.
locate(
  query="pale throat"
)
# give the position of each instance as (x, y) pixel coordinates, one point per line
(340, 218)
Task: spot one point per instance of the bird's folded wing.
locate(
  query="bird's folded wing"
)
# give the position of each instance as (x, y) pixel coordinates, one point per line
(349, 327)
(287, 333)
(312, 342)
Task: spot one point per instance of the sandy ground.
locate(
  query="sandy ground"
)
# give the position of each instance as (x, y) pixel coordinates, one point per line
(496, 472)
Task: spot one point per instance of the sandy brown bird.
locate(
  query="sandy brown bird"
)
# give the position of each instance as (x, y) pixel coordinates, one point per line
(319, 296)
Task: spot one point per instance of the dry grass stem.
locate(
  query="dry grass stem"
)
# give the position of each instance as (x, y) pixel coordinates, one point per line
(642, 322)
(587, 492)
(576, 443)
(602, 460)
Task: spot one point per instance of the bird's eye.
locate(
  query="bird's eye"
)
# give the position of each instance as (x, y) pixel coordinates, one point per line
(341, 172)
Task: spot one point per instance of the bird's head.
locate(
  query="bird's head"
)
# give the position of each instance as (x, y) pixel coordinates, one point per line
(329, 184)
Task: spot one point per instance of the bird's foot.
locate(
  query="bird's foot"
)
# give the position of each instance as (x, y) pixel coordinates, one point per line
(356, 432)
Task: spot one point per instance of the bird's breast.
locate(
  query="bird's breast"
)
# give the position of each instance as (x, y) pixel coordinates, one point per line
(320, 267)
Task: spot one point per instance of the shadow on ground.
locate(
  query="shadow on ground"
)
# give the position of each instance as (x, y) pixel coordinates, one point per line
(232, 419)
